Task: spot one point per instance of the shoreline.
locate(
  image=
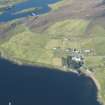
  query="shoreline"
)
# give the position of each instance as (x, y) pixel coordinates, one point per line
(90, 75)
(69, 75)
(85, 73)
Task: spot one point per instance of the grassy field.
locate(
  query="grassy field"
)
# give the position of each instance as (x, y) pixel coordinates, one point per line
(27, 44)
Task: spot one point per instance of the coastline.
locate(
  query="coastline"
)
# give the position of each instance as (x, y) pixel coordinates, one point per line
(85, 73)
(67, 80)
(90, 75)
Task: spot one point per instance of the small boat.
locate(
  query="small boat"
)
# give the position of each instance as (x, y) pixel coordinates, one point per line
(34, 14)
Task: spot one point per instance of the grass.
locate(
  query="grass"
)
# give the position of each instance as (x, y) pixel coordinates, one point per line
(25, 45)
(68, 28)
(39, 47)
(57, 5)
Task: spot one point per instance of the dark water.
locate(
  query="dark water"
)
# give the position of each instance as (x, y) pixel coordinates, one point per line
(10, 14)
(24, 85)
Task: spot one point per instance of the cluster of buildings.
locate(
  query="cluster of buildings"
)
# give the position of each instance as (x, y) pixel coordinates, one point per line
(74, 60)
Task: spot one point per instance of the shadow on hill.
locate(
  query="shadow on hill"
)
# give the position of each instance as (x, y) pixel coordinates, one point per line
(10, 14)
(24, 85)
